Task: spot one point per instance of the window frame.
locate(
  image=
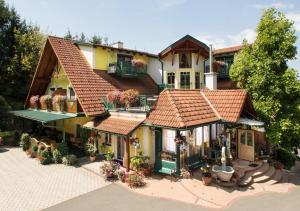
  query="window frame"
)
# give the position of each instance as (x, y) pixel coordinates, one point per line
(188, 63)
(172, 76)
(183, 83)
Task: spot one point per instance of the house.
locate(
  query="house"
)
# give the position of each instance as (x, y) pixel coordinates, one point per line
(177, 115)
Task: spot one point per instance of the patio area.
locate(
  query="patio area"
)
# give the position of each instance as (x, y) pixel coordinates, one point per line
(216, 195)
(27, 185)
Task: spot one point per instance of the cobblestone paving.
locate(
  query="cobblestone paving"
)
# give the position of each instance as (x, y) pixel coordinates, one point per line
(27, 185)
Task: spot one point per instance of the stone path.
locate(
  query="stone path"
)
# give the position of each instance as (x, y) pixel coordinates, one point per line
(27, 185)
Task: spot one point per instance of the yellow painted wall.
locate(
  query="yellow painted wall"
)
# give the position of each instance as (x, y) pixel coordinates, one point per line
(58, 79)
(70, 124)
(103, 57)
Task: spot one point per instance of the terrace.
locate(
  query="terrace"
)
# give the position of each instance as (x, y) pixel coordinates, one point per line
(128, 69)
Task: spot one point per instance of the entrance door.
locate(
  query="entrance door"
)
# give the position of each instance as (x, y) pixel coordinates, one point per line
(120, 148)
(246, 144)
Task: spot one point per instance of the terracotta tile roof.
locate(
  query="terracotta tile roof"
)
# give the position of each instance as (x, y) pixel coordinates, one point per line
(180, 109)
(187, 108)
(145, 85)
(232, 49)
(228, 103)
(88, 86)
(116, 125)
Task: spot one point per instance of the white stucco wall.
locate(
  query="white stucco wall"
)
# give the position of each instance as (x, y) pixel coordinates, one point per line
(155, 70)
(89, 54)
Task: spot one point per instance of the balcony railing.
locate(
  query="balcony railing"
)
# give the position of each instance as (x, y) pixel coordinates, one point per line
(144, 103)
(127, 69)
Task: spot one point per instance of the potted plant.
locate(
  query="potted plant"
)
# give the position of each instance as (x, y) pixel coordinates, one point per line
(34, 101)
(59, 102)
(122, 175)
(135, 179)
(110, 170)
(138, 64)
(129, 97)
(41, 148)
(206, 175)
(45, 157)
(25, 143)
(46, 101)
(114, 97)
(91, 150)
(34, 150)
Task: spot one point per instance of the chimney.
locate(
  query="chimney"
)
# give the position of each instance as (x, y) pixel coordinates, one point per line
(211, 77)
(118, 44)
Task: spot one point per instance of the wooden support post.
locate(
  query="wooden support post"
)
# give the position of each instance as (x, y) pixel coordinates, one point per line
(177, 154)
(127, 155)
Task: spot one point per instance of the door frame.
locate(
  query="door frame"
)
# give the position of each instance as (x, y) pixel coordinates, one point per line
(240, 145)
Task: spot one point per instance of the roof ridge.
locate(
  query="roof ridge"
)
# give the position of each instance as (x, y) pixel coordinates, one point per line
(210, 105)
(175, 106)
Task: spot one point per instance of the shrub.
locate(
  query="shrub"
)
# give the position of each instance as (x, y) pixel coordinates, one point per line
(63, 148)
(57, 157)
(69, 160)
(285, 157)
(45, 157)
(110, 170)
(109, 156)
(90, 149)
(25, 141)
(136, 179)
(138, 161)
(34, 150)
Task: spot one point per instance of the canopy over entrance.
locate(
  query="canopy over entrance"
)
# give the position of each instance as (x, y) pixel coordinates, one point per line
(42, 116)
(250, 122)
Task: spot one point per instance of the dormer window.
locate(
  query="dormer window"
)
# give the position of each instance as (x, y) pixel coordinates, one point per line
(185, 60)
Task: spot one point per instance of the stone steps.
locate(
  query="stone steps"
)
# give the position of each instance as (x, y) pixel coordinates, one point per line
(276, 178)
(266, 176)
(248, 177)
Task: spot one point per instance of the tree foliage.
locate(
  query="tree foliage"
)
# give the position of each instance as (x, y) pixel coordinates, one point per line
(82, 38)
(20, 45)
(262, 69)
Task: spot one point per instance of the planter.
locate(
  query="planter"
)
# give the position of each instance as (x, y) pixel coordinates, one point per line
(206, 180)
(28, 153)
(147, 172)
(92, 158)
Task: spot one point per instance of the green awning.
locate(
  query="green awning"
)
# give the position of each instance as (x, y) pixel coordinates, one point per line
(43, 116)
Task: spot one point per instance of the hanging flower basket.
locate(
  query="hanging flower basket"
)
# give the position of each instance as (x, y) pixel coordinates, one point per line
(34, 101)
(46, 101)
(59, 102)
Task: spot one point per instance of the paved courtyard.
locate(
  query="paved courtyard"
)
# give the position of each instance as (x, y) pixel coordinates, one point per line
(27, 185)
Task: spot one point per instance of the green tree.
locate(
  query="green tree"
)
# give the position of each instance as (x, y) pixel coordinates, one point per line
(96, 39)
(20, 45)
(4, 108)
(262, 69)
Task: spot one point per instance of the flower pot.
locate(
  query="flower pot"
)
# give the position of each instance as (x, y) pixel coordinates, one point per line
(92, 158)
(206, 180)
(28, 153)
(147, 171)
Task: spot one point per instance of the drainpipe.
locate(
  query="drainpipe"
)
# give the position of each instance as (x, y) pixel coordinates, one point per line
(162, 70)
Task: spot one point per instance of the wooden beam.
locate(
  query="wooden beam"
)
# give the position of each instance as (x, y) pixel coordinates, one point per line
(172, 58)
(43, 80)
(127, 154)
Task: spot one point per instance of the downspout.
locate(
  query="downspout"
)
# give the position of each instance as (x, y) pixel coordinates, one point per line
(162, 70)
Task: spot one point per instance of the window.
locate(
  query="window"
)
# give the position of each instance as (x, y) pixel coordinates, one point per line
(169, 140)
(243, 137)
(185, 80)
(197, 80)
(171, 80)
(185, 60)
(124, 58)
(249, 139)
(71, 94)
(52, 90)
(107, 139)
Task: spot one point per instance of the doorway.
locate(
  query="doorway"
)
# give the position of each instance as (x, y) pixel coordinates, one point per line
(120, 148)
(246, 144)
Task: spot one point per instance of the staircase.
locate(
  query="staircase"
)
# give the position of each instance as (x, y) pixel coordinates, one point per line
(263, 174)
